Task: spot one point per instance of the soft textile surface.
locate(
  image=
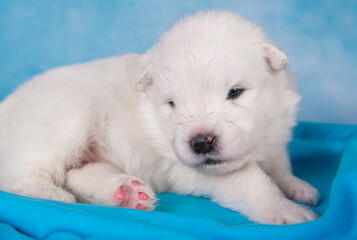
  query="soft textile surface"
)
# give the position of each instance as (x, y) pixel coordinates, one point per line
(324, 155)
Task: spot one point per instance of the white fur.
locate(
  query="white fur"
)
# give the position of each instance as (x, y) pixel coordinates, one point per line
(83, 130)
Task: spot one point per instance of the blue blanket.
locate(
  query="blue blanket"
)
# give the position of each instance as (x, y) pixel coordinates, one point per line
(323, 154)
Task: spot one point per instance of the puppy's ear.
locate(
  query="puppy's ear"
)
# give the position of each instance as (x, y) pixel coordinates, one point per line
(144, 80)
(275, 57)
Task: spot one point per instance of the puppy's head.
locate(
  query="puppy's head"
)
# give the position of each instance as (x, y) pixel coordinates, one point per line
(219, 90)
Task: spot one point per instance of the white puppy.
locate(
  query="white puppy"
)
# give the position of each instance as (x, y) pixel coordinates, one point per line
(211, 115)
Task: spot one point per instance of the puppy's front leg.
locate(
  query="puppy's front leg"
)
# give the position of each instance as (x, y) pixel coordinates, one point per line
(279, 168)
(248, 191)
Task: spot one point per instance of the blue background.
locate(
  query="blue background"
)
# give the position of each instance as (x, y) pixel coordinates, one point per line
(319, 36)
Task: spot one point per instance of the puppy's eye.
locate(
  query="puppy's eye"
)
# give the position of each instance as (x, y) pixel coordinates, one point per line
(171, 103)
(234, 93)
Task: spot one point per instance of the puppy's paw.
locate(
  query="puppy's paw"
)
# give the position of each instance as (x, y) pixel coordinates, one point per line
(135, 194)
(291, 213)
(301, 191)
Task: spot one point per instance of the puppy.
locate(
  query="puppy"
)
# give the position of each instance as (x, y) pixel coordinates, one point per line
(208, 111)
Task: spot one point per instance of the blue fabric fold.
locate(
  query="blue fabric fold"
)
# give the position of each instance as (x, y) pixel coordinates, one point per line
(323, 154)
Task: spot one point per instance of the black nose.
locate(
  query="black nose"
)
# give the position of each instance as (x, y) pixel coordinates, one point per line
(203, 143)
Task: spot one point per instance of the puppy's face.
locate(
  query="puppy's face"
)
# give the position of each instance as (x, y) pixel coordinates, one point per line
(213, 97)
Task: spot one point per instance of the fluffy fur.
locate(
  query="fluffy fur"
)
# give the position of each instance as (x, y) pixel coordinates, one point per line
(90, 132)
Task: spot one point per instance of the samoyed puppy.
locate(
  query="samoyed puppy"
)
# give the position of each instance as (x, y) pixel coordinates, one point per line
(208, 111)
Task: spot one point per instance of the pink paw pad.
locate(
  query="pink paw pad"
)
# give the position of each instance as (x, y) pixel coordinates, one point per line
(141, 207)
(143, 196)
(135, 183)
(120, 194)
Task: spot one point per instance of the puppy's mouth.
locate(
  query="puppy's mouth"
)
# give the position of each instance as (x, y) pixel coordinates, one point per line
(212, 162)
(216, 166)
